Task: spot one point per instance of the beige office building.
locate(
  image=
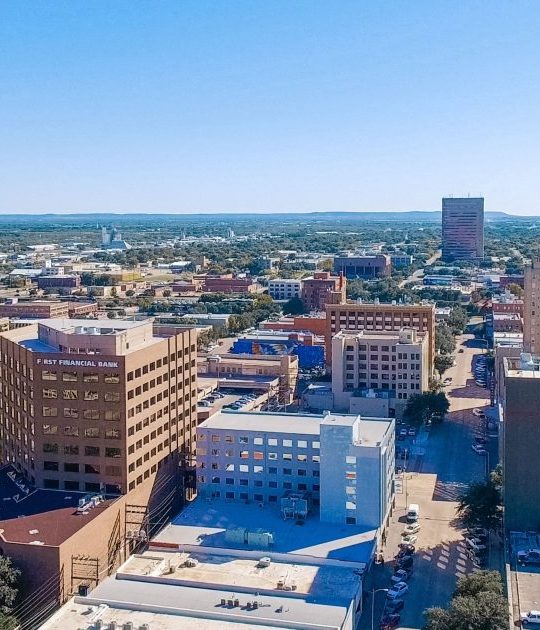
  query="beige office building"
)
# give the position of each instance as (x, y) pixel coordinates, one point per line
(371, 365)
(381, 317)
(531, 308)
(96, 407)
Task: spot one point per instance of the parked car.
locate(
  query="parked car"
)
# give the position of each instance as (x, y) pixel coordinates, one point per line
(479, 450)
(393, 606)
(460, 351)
(401, 575)
(478, 413)
(405, 562)
(475, 544)
(389, 622)
(402, 434)
(530, 618)
(529, 556)
(204, 403)
(412, 431)
(447, 380)
(413, 528)
(406, 550)
(480, 439)
(398, 590)
(410, 539)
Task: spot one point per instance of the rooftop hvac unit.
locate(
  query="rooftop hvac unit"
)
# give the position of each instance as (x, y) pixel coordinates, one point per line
(264, 562)
(144, 626)
(128, 625)
(192, 562)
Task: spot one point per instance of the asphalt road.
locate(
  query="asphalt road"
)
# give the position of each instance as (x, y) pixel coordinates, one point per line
(442, 463)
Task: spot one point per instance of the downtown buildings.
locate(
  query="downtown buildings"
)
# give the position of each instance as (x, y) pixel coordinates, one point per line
(462, 228)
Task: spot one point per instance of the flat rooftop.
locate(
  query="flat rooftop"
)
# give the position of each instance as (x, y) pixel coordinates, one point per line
(203, 525)
(232, 572)
(37, 517)
(371, 430)
(97, 326)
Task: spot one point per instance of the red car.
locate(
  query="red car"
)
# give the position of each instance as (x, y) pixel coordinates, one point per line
(389, 622)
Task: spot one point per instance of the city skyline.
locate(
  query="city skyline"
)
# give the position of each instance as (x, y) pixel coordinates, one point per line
(252, 107)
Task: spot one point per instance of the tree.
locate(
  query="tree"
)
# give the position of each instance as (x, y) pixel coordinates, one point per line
(423, 407)
(7, 622)
(477, 604)
(294, 306)
(443, 362)
(457, 321)
(445, 342)
(480, 505)
(9, 576)
(516, 289)
(167, 293)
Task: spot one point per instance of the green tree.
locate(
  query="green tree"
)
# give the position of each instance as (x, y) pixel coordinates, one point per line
(443, 362)
(7, 622)
(480, 505)
(294, 306)
(422, 407)
(445, 342)
(457, 321)
(9, 577)
(477, 604)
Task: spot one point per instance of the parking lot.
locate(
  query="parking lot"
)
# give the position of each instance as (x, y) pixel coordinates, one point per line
(439, 467)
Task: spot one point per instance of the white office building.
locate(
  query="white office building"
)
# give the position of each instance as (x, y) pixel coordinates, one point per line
(340, 465)
(284, 289)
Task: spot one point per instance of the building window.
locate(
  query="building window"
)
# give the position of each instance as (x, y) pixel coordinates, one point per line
(71, 468)
(53, 466)
(258, 469)
(272, 442)
(71, 449)
(92, 487)
(111, 378)
(91, 432)
(287, 457)
(46, 375)
(244, 468)
(258, 441)
(73, 394)
(91, 414)
(69, 376)
(91, 451)
(52, 484)
(49, 393)
(112, 434)
(243, 440)
(244, 454)
(350, 520)
(71, 430)
(91, 378)
(287, 443)
(112, 415)
(49, 412)
(112, 452)
(50, 429)
(71, 485)
(69, 412)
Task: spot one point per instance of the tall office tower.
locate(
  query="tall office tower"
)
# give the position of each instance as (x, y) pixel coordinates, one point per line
(96, 406)
(462, 228)
(531, 308)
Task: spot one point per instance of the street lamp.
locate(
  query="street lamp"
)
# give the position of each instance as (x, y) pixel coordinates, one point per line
(373, 593)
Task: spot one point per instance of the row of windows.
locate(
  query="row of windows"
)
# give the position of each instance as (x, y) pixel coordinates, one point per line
(86, 414)
(87, 432)
(150, 367)
(258, 441)
(87, 469)
(74, 377)
(54, 484)
(258, 455)
(73, 394)
(89, 451)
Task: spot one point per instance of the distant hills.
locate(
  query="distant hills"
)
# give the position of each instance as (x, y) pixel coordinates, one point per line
(412, 216)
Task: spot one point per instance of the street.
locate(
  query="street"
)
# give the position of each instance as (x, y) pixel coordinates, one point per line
(441, 465)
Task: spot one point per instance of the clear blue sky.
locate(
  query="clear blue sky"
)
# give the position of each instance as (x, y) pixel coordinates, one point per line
(268, 105)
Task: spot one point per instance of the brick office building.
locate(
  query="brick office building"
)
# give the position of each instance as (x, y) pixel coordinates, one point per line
(351, 317)
(323, 289)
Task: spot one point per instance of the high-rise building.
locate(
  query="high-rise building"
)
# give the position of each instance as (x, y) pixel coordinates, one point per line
(376, 316)
(462, 228)
(519, 441)
(95, 407)
(531, 310)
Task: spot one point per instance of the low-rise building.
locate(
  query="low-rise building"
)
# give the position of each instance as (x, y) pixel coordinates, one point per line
(507, 322)
(276, 373)
(371, 361)
(229, 284)
(34, 309)
(284, 289)
(315, 324)
(367, 266)
(58, 282)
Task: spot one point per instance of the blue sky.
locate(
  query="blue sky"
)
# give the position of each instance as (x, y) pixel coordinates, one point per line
(268, 105)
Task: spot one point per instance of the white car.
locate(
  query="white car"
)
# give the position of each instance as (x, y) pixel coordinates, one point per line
(398, 590)
(409, 539)
(479, 450)
(413, 528)
(400, 576)
(479, 413)
(475, 544)
(531, 618)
